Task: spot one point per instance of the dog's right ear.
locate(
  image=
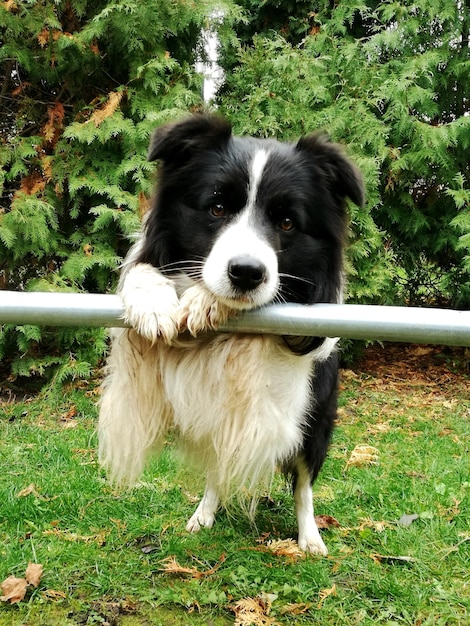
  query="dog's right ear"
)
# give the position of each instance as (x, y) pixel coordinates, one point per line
(178, 142)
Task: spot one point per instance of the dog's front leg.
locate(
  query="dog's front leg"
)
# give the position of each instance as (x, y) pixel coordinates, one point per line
(200, 310)
(204, 516)
(150, 302)
(309, 536)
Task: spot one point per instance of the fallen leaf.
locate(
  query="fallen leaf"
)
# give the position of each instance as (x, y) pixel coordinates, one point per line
(69, 424)
(285, 547)
(150, 547)
(252, 612)
(417, 475)
(408, 519)
(363, 455)
(71, 413)
(295, 608)
(449, 404)
(53, 594)
(380, 427)
(28, 491)
(378, 525)
(14, 589)
(326, 593)
(171, 566)
(326, 521)
(34, 573)
(383, 558)
(99, 538)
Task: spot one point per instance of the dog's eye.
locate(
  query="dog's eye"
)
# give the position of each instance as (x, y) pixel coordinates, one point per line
(286, 224)
(217, 210)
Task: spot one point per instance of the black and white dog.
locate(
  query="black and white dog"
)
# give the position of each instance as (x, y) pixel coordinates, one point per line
(236, 223)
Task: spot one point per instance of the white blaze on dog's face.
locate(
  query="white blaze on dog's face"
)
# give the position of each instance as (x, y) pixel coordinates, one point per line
(242, 267)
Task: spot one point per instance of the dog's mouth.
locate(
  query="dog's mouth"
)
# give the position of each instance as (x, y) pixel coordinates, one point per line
(242, 301)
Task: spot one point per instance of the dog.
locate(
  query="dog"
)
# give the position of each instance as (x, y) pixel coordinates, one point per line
(236, 223)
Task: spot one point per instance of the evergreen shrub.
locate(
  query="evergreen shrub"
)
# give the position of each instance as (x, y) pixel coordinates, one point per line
(83, 84)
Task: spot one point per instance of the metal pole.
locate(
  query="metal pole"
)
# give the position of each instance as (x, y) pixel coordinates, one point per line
(386, 323)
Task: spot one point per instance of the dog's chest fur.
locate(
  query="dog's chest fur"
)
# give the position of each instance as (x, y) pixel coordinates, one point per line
(237, 401)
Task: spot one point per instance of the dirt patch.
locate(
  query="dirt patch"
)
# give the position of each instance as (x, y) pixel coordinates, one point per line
(418, 364)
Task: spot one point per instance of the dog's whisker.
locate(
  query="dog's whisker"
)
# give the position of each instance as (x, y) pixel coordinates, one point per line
(192, 268)
(299, 278)
(279, 298)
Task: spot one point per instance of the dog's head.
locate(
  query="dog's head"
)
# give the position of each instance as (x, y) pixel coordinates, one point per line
(257, 220)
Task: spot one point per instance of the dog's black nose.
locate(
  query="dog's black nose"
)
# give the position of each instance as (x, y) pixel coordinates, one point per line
(246, 272)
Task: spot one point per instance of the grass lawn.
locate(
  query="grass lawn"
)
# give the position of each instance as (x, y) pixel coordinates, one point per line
(125, 559)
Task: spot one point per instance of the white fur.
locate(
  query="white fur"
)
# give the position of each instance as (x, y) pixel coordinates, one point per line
(257, 166)
(204, 515)
(309, 536)
(236, 403)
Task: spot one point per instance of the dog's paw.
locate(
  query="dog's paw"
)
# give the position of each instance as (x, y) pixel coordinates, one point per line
(313, 545)
(150, 303)
(200, 311)
(200, 519)
(153, 325)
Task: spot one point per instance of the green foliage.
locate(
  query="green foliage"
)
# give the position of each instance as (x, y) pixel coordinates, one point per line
(83, 84)
(389, 80)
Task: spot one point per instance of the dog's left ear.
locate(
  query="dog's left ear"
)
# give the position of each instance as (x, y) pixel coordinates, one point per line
(178, 142)
(343, 177)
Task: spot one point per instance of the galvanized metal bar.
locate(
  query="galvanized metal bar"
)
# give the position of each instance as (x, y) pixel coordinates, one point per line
(60, 309)
(386, 323)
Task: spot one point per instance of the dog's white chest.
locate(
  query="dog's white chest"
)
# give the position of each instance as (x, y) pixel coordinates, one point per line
(238, 402)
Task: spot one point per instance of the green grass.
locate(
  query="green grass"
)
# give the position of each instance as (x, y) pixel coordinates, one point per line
(103, 552)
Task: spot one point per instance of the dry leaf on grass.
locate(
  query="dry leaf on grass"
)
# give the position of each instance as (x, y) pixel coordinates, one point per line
(34, 573)
(326, 521)
(377, 525)
(28, 491)
(387, 558)
(295, 608)
(407, 519)
(14, 589)
(326, 593)
(363, 455)
(285, 547)
(53, 594)
(99, 538)
(171, 566)
(380, 428)
(253, 612)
